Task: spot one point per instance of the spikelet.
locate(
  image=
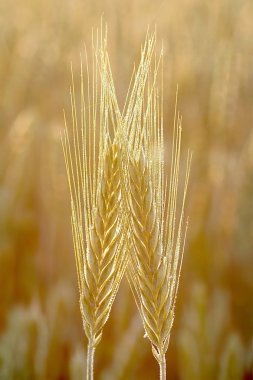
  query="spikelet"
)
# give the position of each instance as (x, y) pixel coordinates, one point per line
(93, 170)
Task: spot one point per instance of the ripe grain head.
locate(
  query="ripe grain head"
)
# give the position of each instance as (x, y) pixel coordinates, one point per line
(93, 162)
(157, 221)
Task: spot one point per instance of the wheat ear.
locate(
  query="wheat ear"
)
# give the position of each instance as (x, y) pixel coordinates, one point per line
(158, 232)
(93, 170)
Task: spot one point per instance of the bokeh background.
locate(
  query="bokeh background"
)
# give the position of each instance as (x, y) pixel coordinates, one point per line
(209, 53)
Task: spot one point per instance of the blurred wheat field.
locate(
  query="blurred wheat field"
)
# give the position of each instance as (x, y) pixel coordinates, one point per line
(209, 53)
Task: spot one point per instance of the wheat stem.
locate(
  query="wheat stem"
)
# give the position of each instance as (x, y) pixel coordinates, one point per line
(90, 362)
(162, 367)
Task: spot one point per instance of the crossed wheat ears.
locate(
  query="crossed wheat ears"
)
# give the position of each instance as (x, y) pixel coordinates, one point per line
(124, 210)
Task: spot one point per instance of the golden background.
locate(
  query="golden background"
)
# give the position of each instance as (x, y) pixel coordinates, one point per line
(208, 49)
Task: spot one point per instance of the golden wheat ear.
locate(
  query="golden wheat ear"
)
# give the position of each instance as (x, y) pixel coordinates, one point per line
(92, 157)
(158, 228)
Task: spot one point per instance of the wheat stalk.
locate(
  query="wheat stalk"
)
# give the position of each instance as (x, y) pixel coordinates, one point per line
(98, 220)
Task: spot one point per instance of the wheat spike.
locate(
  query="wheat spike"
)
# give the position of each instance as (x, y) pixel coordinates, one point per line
(103, 260)
(94, 168)
(157, 231)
